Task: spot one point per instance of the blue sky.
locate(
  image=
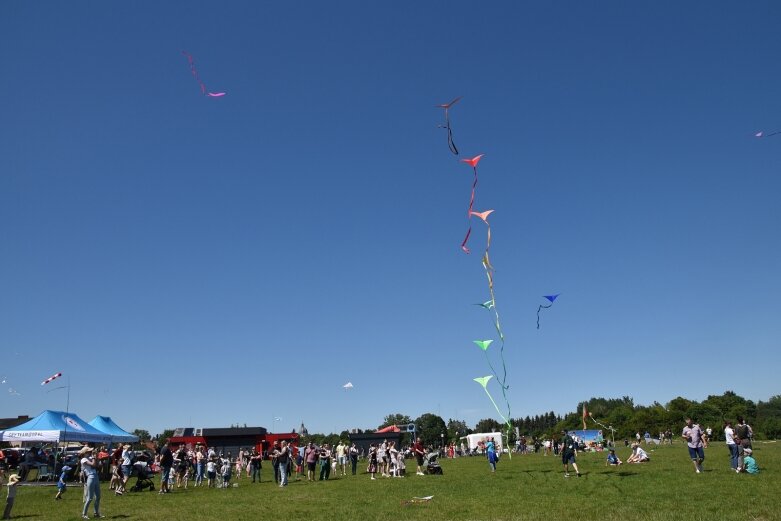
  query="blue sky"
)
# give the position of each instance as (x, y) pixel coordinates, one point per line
(195, 261)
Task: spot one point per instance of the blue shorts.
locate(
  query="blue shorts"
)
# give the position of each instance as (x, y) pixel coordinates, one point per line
(697, 453)
(126, 471)
(568, 457)
(166, 474)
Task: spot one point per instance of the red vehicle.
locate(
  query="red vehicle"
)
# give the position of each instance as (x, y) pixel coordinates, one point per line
(267, 445)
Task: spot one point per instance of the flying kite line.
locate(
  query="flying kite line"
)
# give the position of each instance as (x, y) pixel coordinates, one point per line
(473, 163)
(197, 77)
(489, 305)
(450, 144)
(762, 133)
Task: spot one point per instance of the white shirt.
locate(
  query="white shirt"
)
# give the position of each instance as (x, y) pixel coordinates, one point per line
(729, 435)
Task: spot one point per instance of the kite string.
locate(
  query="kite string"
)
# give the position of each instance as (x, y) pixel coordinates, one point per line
(538, 312)
(469, 212)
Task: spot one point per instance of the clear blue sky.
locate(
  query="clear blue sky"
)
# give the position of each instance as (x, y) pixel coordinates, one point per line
(196, 261)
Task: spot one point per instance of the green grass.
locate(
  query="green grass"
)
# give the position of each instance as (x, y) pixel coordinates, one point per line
(525, 487)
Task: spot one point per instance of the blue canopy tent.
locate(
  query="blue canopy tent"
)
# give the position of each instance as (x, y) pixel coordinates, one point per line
(55, 427)
(107, 425)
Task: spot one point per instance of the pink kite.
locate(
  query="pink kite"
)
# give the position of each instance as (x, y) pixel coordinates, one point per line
(202, 85)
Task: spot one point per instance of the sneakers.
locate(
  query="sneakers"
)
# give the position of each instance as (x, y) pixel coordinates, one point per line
(578, 474)
(566, 475)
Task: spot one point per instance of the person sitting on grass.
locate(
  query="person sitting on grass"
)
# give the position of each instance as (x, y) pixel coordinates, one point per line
(749, 463)
(638, 455)
(612, 459)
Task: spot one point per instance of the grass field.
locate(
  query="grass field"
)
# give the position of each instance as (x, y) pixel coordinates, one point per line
(525, 487)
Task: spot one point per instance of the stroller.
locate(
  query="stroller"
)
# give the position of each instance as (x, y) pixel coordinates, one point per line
(144, 474)
(431, 463)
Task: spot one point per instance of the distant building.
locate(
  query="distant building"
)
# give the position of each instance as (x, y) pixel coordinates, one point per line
(232, 439)
(7, 423)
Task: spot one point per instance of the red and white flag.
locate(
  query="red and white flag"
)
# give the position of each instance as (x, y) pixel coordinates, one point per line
(52, 377)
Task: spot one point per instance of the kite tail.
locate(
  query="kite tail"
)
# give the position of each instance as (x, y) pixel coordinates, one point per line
(538, 313)
(469, 213)
(495, 406)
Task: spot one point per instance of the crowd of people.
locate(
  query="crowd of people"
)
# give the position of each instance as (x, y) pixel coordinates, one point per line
(206, 467)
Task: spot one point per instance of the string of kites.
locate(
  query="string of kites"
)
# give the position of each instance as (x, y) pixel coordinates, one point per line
(490, 304)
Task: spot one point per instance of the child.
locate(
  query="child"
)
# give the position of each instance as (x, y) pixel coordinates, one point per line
(612, 459)
(401, 467)
(211, 473)
(372, 460)
(226, 473)
(61, 482)
(9, 502)
(749, 463)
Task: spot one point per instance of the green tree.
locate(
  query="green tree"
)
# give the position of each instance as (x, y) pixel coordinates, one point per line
(488, 425)
(395, 419)
(430, 429)
(143, 435)
(164, 436)
(456, 429)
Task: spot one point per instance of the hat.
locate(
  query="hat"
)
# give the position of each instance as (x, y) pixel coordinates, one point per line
(85, 450)
(13, 479)
(126, 446)
(748, 451)
(66, 468)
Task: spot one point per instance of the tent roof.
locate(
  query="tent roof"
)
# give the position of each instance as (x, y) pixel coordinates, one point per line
(107, 425)
(55, 426)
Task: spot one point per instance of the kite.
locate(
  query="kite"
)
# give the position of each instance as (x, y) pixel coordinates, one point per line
(473, 163)
(451, 145)
(761, 133)
(348, 385)
(4, 380)
(551, 298)
(52, 377)
(424, 499)
(197, 77)
(13, 392)
(483, 380)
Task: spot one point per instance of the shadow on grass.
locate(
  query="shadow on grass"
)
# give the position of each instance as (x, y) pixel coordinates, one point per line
(620, 474)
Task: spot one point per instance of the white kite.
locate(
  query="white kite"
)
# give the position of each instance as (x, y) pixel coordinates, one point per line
(348, 385)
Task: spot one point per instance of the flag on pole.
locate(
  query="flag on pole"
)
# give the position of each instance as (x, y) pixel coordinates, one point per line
(584, 415)
(52, 377)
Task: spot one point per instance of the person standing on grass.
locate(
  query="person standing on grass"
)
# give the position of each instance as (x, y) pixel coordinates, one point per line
(729, 436)
(89, 465)
(693, 434)
(568, 451)
(490, 451)
(61, 483)
(255, 465)
(166, 462)
(354, 457)
(310, 458)
(372, 469)
(283, 458)
(743, 435)
(275, 461)
(325, 462)
(13, 481)
(417, 448)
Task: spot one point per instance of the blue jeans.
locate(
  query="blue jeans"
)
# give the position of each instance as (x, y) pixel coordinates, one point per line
(255, 473)
(282, 474)
(198, 472)
(92, 489)
(733, 455)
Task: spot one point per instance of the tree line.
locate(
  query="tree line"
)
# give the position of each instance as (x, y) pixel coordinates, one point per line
(626, 417)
